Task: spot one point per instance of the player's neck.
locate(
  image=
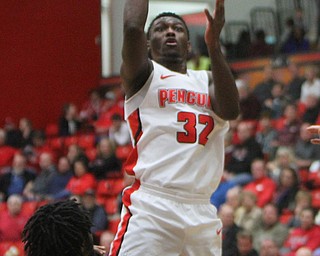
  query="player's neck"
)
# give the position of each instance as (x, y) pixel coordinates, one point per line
(175, 64)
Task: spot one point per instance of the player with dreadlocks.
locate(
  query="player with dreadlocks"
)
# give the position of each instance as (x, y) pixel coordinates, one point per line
(61, 228)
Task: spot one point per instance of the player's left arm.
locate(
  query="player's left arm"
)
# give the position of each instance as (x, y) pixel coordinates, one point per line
(225, 99)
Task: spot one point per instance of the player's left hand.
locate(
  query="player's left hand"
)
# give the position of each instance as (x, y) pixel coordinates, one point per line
(215, 24)
(315, 129)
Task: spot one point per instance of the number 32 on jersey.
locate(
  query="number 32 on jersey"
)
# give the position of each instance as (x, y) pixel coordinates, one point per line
(191, 133)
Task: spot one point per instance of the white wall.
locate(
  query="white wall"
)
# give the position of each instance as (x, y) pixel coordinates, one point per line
(236, 10)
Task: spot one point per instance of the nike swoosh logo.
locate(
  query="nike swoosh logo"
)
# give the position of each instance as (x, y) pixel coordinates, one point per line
(218, 231)
(166, 76)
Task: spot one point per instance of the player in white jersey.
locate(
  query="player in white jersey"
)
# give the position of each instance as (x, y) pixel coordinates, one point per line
(177, 121)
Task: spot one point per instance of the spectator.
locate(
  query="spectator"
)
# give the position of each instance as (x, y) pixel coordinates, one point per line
(312, 109)
(250, 107)
(233, 197)
(69, 123)
(96, 212)
(284, 158)
(269, 247)
(243, 45)
(287, 31)
(266, 136)
(13, 135)
(229, 231)
(293, 88)
(16, 178)
(75, 152)
(287, 188)
(263, 89)
(244, 244)
(311, 85)
(248, 214)
(243, 154)
(269, 227)
(26, 131)
(261, 185)
(289, 126)
(306, 235)
(118, 131)
(60, 178)
(80, 182)
(106, 164)
(296, 42)
(303, 200)
(12, 220)
(6, 152)
(276, 104)
(38, 189)
(259, 47)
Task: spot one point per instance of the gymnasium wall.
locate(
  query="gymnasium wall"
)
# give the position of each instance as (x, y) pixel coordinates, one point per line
(48, 56)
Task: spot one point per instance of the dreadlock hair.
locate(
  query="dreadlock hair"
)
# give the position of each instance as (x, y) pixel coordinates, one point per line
(61, 228)
(168, 14)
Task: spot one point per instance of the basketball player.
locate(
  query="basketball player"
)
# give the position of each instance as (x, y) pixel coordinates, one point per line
(178, 119)
(315, 129)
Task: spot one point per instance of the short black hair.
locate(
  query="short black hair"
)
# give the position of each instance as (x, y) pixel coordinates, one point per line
(61, 228)
(168, 14)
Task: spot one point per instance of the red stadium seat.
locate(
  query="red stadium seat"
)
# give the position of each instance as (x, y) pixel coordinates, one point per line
(315, 198)
(113, 224)
(122, 152)
(111, 205)
(52, 130)
(86, 141)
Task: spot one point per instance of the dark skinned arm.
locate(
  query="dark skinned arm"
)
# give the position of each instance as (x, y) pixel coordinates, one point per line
(136, 67)
(226, 99)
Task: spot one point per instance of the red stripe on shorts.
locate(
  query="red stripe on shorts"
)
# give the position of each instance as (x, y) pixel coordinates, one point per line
(116, 244)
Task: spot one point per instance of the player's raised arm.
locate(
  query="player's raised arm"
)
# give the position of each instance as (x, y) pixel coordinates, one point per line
(136, 67)
(226, 98)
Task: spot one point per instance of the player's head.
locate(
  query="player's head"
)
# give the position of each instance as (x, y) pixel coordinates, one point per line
(61, 228)
(168, 37)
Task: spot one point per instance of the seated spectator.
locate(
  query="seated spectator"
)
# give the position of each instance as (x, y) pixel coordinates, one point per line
(243, 154)
(13, 135)
(269, 247)
(311, 85)
(243, 45)
(293, 87)
(276, 104)
(315, 131)
(303, 251)
(306, 235)
(296, 42)
(250, 106)
(26, 132)
(259, 46)
(229, 230)
(262, 90)
(118, 131)
(312, 109)
(12, 220)
(262, 186)
(16, 178)
(106, 164)
(244, 244)
(75, 152)
(198, 61)
(38, 189)
(284, 158)
(266, 136)
(96, 212)
(69, 123)
(80, 182)
(60, 178)
(270, 227)
(305, 151)
(303, 200)
(6, 152)
(248, 214)
(288, 126)
(233, 197)
(287, 188)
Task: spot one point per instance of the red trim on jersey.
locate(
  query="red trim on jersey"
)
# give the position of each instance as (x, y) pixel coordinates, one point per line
(116, 244)
(135, 127)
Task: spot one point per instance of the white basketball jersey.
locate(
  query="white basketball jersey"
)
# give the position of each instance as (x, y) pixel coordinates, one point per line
(178, 140)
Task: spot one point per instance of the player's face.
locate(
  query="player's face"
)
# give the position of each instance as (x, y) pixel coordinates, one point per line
(169, 39)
